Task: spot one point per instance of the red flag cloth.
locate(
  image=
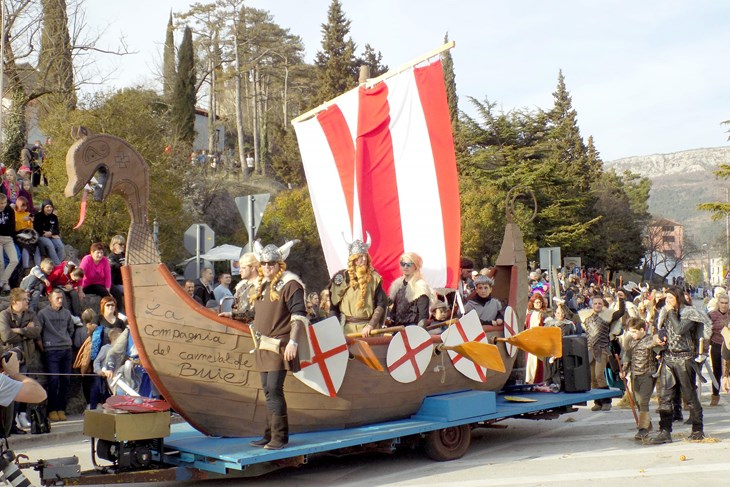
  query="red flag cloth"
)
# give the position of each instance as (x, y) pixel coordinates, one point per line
(380, 162)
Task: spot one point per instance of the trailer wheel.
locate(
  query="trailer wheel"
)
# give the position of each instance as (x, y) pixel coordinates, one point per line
(448, 443)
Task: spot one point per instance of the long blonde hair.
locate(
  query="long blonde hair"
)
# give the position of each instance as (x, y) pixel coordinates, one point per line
(260, 283)
(356, 281)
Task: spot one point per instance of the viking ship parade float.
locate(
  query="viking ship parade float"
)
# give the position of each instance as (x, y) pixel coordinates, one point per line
(380, 166)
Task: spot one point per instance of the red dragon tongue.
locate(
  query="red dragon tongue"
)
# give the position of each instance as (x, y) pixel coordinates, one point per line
(82, 210)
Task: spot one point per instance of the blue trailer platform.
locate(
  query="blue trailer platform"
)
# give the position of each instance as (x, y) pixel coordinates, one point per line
(442, 425)
(187, 447)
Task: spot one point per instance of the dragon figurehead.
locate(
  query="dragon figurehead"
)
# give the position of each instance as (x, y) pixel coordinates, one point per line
(120, 170)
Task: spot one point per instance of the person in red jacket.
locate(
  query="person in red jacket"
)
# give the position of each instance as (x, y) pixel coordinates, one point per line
(67, 277)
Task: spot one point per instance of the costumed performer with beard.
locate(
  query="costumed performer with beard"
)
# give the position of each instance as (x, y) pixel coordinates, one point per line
(356, 293)
(280, 316)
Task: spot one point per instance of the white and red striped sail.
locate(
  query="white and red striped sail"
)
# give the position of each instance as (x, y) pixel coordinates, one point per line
(380, 162)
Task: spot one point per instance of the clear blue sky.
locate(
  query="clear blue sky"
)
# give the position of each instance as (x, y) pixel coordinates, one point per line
(646, 77)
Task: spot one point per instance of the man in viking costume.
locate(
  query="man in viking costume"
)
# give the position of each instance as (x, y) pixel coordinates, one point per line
(278, 328)
(356, 293)
(597, 322)
(680, 326)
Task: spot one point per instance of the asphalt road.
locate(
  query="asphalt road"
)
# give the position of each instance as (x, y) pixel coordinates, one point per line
(582, 448)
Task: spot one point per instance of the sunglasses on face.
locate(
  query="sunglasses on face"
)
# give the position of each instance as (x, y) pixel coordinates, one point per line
(406, 264)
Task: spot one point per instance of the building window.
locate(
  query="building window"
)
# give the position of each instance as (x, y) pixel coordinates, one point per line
(668, 238)
(667, 228)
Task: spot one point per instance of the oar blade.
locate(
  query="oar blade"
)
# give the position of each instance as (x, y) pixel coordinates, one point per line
(542, 341)
(484, 354)
(362, 352)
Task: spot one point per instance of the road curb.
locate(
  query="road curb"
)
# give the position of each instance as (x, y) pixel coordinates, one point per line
(61, 432)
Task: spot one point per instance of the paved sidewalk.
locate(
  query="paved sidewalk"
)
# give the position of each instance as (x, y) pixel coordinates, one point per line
(61, 432)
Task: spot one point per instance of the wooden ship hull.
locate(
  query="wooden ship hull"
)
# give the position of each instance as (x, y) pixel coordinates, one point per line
(203, 364)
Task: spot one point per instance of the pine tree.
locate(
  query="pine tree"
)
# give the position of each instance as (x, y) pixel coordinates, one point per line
(568, 143)
(169, 73)
(54, 61)
(374, 61)
(183, 105)
(337, 71)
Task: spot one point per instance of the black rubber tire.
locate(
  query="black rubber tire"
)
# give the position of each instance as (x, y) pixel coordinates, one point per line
(448, 443)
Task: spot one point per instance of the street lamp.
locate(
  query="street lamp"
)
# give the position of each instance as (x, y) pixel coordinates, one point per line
(706, 248)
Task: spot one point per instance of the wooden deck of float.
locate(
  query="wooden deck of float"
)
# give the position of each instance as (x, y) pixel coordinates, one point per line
(189, 448)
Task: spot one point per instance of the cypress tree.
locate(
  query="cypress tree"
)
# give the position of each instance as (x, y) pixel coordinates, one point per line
(336, 67)
(169, 73)
(183, 104)
(54, 61)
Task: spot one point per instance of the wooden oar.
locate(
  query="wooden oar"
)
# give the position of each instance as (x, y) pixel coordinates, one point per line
(484, 354)
(542, 341)
(361, 351)
(378, 331)
(434, 326)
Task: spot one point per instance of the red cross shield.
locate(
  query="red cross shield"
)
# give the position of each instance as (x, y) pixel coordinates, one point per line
(467, 329)
(325, 370)
(510, 329)
(409, 354)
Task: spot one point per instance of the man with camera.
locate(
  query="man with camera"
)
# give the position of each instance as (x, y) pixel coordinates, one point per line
(14, 386)
(19, 330)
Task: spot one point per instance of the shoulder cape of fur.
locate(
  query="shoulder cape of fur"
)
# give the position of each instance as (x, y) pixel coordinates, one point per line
(414, 290)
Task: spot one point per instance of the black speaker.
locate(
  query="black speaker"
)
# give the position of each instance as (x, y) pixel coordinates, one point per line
(575, 371)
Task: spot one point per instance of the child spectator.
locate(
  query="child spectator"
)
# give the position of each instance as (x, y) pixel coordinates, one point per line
(36, 282)
(49, 232)
(26, 237)
(67, 277)
(7, 232)
(640, 359)
(26, 191)
(10, 186)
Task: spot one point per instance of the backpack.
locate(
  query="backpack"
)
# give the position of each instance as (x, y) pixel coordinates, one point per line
(39, 422)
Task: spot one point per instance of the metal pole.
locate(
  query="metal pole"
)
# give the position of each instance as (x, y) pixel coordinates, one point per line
(251, 229)
(156, 233)
(197, 250)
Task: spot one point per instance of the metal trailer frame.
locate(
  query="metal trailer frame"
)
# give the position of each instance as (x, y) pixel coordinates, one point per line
(443, 424)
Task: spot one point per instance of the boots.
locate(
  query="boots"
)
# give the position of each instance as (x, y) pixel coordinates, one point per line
(697, 433)
(644, 425)
(665, 430)
(597, 406)
(715, 400)
(267, 434)
(279, 433)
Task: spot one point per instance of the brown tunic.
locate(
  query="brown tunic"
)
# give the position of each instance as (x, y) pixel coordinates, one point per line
(274, 319)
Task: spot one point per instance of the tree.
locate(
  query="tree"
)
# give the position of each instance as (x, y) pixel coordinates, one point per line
(693, 276)
(55, 64)
(140, 117)
(169, 70)
(374, 61)
(336, 66)
(184, 99)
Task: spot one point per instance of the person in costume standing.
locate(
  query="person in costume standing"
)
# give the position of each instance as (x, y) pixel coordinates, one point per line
(356, 293)
(278, 327)
(640, 359)
(536, 314)
(720, 319)
(410, 293)
(680, 326)
(597, 323)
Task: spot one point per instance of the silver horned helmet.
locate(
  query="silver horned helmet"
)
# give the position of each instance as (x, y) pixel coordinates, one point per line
(358, 246)
(272, 253)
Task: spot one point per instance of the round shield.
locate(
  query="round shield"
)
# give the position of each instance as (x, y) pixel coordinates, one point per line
(467, 329)
(324, 369)
(409, 354)
(510, 329)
